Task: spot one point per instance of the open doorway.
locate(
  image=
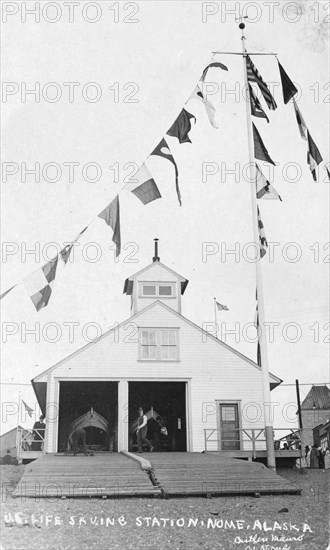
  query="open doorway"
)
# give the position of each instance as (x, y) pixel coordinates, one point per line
(92, 406)
(166, 400)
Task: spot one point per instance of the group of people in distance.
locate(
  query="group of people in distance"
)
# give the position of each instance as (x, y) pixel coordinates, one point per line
(317, 457)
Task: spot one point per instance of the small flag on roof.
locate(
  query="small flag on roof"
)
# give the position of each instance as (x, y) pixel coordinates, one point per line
(221, 307)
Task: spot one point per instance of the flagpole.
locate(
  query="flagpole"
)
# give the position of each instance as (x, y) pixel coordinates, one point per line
(18, 452)
(215, 317)
(261, 310)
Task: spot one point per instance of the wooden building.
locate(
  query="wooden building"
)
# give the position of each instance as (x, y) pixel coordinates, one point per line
(8, 440)
(315, 410)
(206, 391)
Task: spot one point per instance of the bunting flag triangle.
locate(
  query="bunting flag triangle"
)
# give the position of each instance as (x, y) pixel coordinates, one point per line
(300, 121)
(262, 237)
(288, 88)
(143, 186)
(258, 354)
(111, 216)
(6, 292)
(211, 65)
(313, 156)
(264, 189)
(210, 110)
(181, 127)
(254, 76)
(163, 150)
(328, 180)
(66, 251)
(260, 151)
(256, 108)
(39, 283)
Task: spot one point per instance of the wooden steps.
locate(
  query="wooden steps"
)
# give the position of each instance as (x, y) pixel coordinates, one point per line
(172, 474)
(103, 475)
(201, 474)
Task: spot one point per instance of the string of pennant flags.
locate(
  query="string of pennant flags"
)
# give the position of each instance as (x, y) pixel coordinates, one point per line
(40, 283)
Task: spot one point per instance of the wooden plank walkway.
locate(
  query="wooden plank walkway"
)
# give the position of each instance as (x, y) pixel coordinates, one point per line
(203, 474)
(111, 475)
(102, 475)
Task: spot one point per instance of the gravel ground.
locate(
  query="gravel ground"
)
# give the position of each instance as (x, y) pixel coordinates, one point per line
(220, 523)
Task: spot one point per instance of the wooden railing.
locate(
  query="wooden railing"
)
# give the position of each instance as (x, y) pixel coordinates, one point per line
(27, 445)
(249, 440)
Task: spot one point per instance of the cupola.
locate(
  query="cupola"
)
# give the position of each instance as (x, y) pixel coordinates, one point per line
(155, 282)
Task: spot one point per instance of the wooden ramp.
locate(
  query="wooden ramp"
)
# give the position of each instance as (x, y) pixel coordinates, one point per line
(203, 474)
(103, 475)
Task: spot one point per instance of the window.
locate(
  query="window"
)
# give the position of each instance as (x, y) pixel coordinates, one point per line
(164, 290)
(168, 345)
(149, 290)
(159, 345)
(149, 344)
(157, 289)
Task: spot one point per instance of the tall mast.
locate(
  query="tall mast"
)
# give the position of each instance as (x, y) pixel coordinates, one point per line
(261, 310)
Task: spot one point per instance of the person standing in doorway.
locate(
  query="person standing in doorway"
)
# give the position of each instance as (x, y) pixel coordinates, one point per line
(39, 434)
(141, 432)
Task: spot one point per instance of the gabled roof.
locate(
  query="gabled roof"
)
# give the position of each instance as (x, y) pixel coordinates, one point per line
(274, 380)
(129, 282)
(318, 397)
(14, 430)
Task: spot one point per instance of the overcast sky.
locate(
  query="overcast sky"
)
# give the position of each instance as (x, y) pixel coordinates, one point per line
(143, 73)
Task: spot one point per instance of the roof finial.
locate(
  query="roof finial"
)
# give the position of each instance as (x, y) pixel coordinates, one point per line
(156, 258)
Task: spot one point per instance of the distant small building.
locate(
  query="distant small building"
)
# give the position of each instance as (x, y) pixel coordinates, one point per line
(321, 435)
(315, 411)
(8, 441)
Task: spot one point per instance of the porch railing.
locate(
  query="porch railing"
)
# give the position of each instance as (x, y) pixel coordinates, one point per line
(28, 444)
(250, 440)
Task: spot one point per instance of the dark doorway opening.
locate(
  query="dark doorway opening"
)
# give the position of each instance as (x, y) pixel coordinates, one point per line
(166, 399)
(93, 406)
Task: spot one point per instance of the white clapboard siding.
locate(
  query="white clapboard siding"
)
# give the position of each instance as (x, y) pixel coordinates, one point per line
(214, 371)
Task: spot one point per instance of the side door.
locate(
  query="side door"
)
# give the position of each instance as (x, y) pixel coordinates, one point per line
(229, 427)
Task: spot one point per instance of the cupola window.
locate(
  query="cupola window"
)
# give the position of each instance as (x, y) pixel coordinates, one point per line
(157, 289)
